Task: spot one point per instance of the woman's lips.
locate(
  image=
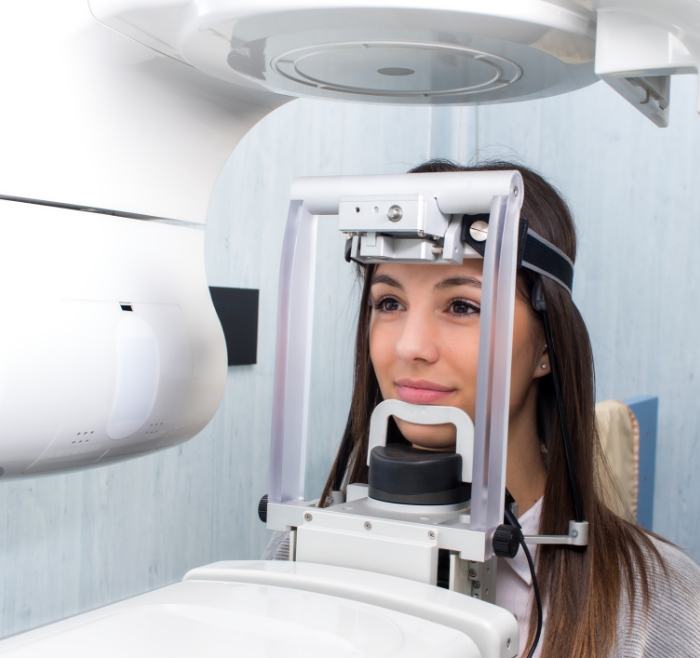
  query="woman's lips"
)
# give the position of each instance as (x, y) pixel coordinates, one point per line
(421, 391)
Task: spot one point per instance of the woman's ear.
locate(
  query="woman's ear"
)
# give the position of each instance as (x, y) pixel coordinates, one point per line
(542, 366)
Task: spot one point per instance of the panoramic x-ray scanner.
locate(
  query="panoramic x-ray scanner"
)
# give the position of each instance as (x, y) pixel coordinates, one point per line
(117, 117)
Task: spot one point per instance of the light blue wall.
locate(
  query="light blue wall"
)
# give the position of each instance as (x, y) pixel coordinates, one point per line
(633, 189)
(81, 540)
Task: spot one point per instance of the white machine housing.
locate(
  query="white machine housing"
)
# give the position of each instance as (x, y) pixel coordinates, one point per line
(407, 51)
(110, 152)
(109, 346)
(280, 608)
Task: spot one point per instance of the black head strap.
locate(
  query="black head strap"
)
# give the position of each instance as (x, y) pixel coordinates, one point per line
(534, 252)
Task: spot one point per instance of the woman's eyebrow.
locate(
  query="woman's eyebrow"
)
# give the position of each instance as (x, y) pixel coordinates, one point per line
(458, 281)
(386, 279)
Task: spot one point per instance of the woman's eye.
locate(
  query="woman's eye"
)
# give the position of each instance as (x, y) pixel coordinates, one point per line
(463, 307)
(387, 305)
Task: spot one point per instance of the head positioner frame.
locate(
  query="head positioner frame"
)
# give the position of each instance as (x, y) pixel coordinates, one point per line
(415, 218)
(430, 202)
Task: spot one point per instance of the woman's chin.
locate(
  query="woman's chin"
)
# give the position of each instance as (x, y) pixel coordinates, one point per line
(428, 437)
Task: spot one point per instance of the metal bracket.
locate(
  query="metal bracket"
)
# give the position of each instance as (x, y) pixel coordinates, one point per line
(578, 536)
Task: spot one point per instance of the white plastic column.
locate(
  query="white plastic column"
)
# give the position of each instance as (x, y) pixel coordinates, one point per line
(290, 410)
(96, 119)
(495, 352)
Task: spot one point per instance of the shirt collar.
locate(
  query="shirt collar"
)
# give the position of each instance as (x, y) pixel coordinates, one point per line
(530, 525)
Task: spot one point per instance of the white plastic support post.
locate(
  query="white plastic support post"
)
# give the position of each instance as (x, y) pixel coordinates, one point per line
(495, 352)
(293, 357)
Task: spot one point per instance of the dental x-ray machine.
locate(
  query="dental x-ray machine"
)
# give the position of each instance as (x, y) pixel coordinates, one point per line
(110, 149)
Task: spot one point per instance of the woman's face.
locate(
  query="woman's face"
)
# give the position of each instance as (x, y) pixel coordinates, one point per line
(424, 343)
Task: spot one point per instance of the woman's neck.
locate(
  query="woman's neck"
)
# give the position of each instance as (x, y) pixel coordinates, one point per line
(525, 472)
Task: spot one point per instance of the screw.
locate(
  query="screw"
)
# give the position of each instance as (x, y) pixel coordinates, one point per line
(367, 525)
(472, 573)
(308, 516)
(431, 534)
(394, 214)
(574, 533)
(479, 230)
(515, 191)
(476, 584)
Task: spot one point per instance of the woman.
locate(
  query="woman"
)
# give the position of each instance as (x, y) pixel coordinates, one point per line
(627, 593)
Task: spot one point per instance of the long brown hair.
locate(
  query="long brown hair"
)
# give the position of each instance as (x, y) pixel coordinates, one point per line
(582, 588)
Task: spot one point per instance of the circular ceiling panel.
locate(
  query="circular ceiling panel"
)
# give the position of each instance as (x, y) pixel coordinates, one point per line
(405, 70)
(408, 52)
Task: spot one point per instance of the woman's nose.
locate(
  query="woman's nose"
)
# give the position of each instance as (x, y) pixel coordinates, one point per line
(417, 341)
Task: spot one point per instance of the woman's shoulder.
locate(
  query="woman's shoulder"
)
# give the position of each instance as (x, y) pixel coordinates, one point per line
(669, 625)
(675, 578)
(677, 561)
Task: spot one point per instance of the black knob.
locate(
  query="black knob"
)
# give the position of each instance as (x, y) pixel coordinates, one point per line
(506, 540)
(262, 509)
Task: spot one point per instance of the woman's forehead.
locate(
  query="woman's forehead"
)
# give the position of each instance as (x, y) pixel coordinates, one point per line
(404, 272)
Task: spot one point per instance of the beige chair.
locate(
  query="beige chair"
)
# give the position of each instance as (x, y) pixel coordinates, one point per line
(619, 433)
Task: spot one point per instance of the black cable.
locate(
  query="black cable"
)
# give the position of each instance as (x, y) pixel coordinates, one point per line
(539, 303)
(510, 518)
(538, 599)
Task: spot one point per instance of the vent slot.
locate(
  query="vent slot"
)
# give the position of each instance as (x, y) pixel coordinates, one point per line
(83, 437)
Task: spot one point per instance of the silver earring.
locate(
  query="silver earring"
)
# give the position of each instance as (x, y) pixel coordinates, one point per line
(543, 366)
